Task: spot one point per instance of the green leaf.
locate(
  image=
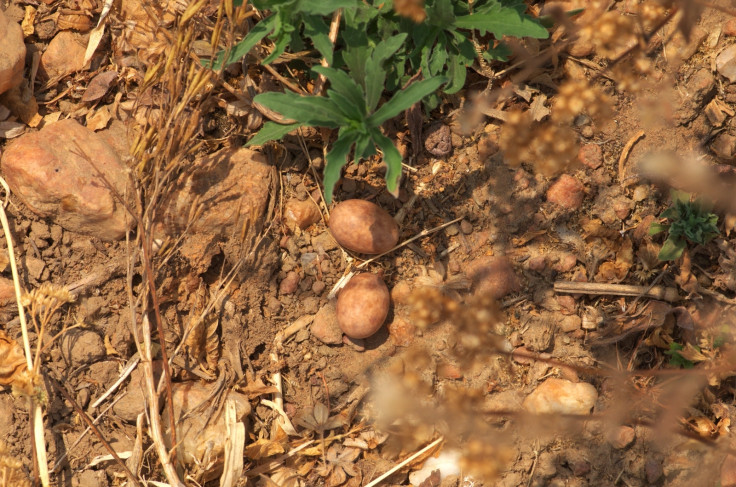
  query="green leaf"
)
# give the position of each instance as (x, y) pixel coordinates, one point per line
(503, 21)
(404, 99)
(351, 111)
(343, 84)
(672, 249)
(324, 7)
(279, 47)
(656, 228)
(309, 110)
(317, 30)
(336, 160)
(392, 157)
(256, 34)
(364, 147)
(375, 75)
(272, 131)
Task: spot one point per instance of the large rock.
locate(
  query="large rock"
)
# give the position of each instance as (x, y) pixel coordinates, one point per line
(55, 173)
(64, 55)
(231, 187)
(561, 396)
(12, 53)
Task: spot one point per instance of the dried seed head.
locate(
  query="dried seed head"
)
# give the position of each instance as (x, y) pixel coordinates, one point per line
(411, 9)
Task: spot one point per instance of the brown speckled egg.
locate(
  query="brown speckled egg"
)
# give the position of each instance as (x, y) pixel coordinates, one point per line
(362, 305)
(363, 227)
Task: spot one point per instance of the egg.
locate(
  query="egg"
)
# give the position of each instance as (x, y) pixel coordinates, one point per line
(363, 227)
(362, 305)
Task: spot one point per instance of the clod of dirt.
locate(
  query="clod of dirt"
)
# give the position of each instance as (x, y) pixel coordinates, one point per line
(400, 292)
(567, 192)
(401, 331)
(591, 155)
(64, 55)
(654, 471)
(55, 173)
(12, 55)
(492, 275)
(202, 437)
(234, 186)
(726, 63)
(724, 146)
(324, 327)
(133, 402)
(438, 141)
(301, 214)
(80, 347)
(560, 396)
(289, 284)
(364, 227)
(362, 305)
(622, 437)
(699, 89)
(7, 291)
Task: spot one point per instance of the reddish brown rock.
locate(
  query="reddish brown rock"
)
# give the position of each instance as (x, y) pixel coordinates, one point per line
(492, 275)
(591, 155)
(289, 284)
(567, 192)
(729, 28)
(64, 55)
(301, 213)
(537, 263)
(12, 54)
(46, 171)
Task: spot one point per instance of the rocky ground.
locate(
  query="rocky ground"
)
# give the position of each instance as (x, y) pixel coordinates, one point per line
(478, 337)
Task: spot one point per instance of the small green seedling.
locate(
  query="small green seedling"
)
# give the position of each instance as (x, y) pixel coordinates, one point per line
(352, 107)
(690, 221)
(676, 358)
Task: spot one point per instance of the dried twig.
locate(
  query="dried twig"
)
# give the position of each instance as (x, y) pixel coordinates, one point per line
(97, 432)
(406, 462)
(656, 292)
(623, 177)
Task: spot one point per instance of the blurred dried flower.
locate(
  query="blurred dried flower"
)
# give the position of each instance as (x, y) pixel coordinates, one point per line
(411, 9)
(579, 96)
(549, 147)
(612, 33)
(11, 470)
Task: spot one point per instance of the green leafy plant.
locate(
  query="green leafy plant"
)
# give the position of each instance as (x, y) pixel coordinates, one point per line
(288, 23)
(676, 359)
(350, 106)
(690, 221)
(445, 43)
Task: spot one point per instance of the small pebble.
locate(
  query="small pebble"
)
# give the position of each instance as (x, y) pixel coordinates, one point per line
(452, 230)
(318, 287)
(566, 192)
(591, 155)
(654, 470)
(492, 275)
(466, 227)
(536, 263)
(289, 284)
(729, 28)
(622, 437)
